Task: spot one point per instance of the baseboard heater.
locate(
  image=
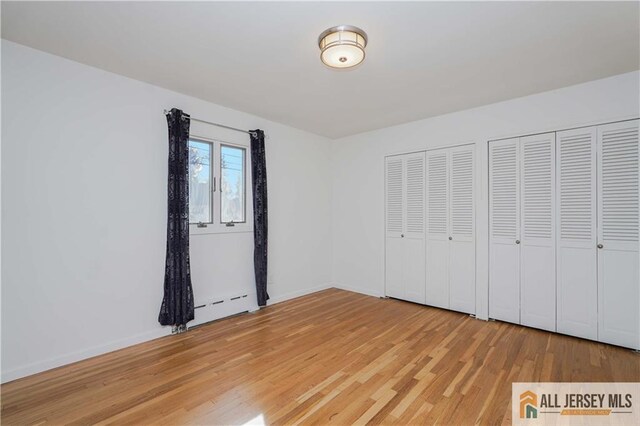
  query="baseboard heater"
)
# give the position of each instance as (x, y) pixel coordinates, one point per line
(215, 309)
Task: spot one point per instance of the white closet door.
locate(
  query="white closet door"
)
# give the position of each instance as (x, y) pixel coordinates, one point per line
(577, 297)
(414, 241)
(618, 278)
(504, 224)
(437, 282)
(537, 249)
(462, 255)
(394, 221)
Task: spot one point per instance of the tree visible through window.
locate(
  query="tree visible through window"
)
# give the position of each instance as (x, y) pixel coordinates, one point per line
(200, 201)
(217, 191)
(232, 184)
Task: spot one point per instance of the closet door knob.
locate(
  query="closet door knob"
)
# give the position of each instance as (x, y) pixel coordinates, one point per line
(517, 241)
(600, 246)
(450, 238)
(401, 235)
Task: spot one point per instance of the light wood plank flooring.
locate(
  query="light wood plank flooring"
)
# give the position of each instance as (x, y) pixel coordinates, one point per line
(333, 357)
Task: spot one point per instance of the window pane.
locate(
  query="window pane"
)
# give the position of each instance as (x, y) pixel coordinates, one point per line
(200, 182)
(232, 193)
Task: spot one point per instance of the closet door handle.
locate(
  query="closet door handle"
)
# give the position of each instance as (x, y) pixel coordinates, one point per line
(517, 241)
(401, 235)
(450, 238)
(600, 246)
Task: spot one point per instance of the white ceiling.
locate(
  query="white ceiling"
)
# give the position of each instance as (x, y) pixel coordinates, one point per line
(423, 59)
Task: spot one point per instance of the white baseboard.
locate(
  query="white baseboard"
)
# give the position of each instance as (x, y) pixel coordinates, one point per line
(359, 290)
(294, 294)
(40, 366)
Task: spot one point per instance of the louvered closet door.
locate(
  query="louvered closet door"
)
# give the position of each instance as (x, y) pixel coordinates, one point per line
(462, 253)
(437, 282)
(414, 241)
(618, 277)
(577, 296)
(537, 248)
(394, 220)
(504, 226)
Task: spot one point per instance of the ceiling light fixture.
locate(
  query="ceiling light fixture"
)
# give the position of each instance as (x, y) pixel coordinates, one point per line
(342, 46)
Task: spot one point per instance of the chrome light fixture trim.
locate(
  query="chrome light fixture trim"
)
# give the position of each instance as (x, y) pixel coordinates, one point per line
(342, 46)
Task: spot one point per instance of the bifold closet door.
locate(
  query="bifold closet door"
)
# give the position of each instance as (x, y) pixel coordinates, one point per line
(451, 255)
(462, 245)
(414, 241)
(405, 219)
(437, 281)
(504, 224)
(394, 219)
(522, 287)
(537, 233)
(577, 289)
(564, 237)
(617, 212)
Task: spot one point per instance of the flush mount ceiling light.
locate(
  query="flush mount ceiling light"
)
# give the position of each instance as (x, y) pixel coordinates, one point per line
(342, 46)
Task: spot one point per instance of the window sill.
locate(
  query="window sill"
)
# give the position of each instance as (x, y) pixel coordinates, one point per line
(220, 229)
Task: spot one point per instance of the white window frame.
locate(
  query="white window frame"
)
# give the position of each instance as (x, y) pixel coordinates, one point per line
(211, 179)
(244, 183)
(217, 227)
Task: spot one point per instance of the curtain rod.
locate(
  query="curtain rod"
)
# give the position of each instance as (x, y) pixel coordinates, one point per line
(254, 134)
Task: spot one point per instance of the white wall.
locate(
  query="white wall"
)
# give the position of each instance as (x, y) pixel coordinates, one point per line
(358, 180)
(84, 167)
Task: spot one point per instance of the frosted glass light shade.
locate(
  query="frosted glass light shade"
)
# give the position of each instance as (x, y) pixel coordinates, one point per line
(342, 46)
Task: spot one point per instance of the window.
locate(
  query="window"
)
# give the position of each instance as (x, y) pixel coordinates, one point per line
(200, 180)
(232, 193)
(217, 187)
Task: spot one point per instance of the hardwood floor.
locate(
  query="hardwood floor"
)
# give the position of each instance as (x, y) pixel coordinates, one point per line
(331, 357)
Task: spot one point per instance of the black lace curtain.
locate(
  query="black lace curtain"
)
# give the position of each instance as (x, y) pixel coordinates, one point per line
(259, 177)
(177, 306)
